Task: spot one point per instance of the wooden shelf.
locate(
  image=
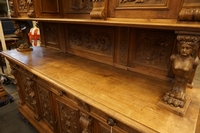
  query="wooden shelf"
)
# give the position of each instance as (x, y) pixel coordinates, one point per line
(167, 24)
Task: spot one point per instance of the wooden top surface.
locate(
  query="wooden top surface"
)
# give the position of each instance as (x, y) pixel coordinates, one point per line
(127, 96)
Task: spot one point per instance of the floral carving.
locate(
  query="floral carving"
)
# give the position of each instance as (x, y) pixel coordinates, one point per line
(22, 5)
(45, 106)
(82, 5)
(69, 119)
(152, 50)
(100, 41)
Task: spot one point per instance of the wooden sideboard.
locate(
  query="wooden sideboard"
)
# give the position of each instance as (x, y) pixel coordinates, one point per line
(61, 92)
(103, 66)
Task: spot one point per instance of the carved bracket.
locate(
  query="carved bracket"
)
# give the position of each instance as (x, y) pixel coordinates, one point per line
(99, 10)
(85, 120)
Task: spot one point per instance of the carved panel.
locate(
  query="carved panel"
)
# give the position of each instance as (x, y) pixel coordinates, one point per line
(52, 6)
(123, 46)
(154, 48)
(25, 8)
(69, 118)
(79, 6)
(51, 32)
(91, 39)
(144, 4)
(45, 105)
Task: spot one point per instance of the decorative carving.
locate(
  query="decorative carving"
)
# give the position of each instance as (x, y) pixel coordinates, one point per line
(46, 106)
(23, 33)
(124, 42)
(22, 5)
(189, 14)
(81, 5)
(143, 4)
(31, 12)
(183, 64)
(12, 10)
(86, 121)
(99, 10)
(152, 50)
(69, 119)
(51, 32)
(98, 42)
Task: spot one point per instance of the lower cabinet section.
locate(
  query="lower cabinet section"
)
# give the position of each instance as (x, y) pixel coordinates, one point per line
(49, 109)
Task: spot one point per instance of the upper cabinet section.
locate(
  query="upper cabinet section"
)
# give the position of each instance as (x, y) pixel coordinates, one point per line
(146, 9)
(48, 8)
(105, 9)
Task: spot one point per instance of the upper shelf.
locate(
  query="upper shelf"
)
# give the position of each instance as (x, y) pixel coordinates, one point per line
(167, 24)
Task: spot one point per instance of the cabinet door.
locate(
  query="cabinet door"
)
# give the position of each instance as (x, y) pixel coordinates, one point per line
(48, 8)
(67, 116)
(46, 106)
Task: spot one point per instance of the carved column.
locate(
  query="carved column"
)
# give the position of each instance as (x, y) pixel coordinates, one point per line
(12, 10)
(99, 10)
(31, 12)
(184, 64)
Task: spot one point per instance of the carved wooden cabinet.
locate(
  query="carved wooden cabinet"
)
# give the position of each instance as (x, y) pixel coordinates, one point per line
(51, 109)
(104, 65)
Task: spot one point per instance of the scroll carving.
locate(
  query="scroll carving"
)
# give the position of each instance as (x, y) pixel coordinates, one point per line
(100, 41)
(183, 64)
(99, 10)
(86, 121)
(189, 14)
(23, 33)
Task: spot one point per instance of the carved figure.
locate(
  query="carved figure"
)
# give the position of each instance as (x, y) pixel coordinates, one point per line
(23, 33)
(183, 65)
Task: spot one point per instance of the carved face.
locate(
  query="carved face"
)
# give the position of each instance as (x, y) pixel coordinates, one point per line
(185, 49)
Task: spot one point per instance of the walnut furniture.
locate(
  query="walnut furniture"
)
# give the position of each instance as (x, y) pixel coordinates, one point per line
(103, 66)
